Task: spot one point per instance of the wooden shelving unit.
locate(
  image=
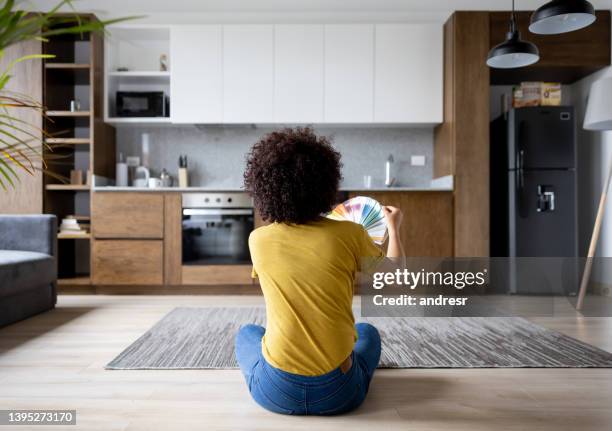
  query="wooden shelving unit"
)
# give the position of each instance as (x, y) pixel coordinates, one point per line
(68, 141)
(73, 236)
(74, 281)
(68, 113)
(67, 65)
(68, 187)
(79, 139)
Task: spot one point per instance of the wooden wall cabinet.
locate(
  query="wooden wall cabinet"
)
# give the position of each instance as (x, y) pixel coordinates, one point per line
(565, 57)
(427, 229)
(461, 142)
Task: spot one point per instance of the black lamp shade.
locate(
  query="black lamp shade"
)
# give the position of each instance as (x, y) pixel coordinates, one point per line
(513, 53)
(562, 16)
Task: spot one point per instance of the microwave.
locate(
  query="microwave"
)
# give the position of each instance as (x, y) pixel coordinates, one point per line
(142, 104)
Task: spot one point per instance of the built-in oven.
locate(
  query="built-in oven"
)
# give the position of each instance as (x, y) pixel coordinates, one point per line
(216, 228)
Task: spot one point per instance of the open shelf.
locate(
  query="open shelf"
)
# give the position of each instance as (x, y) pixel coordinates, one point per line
(67, 66)
(140, 73)
(73, 236)
(68, 141)
(68, 113)
(138, 120)
(74, 281)
(67, 187)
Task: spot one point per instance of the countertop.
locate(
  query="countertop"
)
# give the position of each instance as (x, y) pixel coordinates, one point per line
(442, 184)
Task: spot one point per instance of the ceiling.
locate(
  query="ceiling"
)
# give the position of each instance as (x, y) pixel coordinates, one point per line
(196, 10)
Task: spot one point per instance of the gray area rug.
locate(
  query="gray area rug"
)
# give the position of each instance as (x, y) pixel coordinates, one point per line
(203, 338)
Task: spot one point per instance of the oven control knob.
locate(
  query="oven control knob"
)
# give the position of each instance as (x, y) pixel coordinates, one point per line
(229, 199)
(218, 200)
(206, 200)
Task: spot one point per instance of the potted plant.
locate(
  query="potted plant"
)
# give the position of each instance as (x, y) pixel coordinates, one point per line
(20, 144)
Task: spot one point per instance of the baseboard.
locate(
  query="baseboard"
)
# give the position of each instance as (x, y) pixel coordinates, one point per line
(601, 289)
(161, 290)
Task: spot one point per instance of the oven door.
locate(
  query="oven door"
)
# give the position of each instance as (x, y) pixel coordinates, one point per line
(216, 236)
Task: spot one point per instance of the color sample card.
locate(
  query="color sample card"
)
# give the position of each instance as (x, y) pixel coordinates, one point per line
(366, 212)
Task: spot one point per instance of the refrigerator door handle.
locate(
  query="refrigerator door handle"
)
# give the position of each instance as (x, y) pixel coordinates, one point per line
(521, 178)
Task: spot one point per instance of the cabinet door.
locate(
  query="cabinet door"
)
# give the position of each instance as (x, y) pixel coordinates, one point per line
(127, 262)
(298, 72)
(248, 73)
(408, 69)
(427, 229)
(127, 215)
(196, 81)
(349, 73)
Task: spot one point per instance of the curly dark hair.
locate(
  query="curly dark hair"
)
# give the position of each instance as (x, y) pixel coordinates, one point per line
(293, 175)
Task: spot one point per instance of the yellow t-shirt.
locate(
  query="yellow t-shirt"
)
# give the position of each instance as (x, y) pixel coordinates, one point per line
(306, 272)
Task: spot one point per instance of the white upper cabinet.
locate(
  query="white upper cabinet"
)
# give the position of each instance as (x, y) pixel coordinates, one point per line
(196, 85)
(248, 73)
(298, 73)
(285, 73)
(349, 73)
(408, 73)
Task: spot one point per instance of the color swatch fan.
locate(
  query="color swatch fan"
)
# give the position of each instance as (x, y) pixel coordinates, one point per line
(366, 212)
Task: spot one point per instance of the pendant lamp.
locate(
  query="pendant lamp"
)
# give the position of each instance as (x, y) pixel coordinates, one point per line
(513, 52)
(562, 16)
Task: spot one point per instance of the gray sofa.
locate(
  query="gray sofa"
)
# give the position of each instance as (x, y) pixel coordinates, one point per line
(28, 266)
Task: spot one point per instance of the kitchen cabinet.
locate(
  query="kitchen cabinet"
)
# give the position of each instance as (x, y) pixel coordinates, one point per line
(248, 73)
(196, 82)
(127, 262)
(565, 57)
(427, 229)
(408, 73)
(298, 72)
(349, 73)
(127, 215)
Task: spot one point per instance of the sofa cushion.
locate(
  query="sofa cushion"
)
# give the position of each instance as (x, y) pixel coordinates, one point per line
(24, 270)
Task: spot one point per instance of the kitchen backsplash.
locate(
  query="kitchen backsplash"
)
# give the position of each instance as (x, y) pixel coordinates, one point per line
(216, 154)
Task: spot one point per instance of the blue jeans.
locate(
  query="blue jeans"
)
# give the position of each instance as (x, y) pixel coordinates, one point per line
(292, 394)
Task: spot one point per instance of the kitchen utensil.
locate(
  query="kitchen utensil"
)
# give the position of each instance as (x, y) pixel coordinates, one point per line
(141, 177)
(154, 183)
(144, 148)
(366, 212)
(75, 105)
(166, 178)
(121, 172)
(183, 178)
(76, 177)
(389, 178)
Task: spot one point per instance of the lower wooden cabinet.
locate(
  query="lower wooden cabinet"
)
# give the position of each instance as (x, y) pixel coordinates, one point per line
(127, 262)
(427, 229)
(217, 275)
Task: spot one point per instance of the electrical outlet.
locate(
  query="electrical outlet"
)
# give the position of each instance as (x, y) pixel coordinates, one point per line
(132, 161)
(417, 160)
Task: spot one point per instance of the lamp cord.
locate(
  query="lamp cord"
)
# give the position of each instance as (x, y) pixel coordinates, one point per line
(512, 19)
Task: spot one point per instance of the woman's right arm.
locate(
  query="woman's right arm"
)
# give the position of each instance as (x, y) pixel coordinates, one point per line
(394, 216)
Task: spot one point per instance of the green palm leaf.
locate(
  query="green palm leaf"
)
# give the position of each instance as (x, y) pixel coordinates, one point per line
(20, 142)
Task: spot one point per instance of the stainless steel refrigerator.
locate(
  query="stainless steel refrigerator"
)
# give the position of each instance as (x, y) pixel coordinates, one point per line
(533, 185)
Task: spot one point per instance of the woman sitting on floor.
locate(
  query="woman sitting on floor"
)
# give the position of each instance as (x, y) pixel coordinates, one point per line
(311, 359)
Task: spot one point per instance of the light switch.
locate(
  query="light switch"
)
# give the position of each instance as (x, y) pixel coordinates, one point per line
(417, 160)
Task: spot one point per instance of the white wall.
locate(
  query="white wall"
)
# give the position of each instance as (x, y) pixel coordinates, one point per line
(226, 11)
(594, 155)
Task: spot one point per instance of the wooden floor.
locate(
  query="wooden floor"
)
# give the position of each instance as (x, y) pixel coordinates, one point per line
(55, 361)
